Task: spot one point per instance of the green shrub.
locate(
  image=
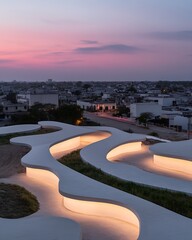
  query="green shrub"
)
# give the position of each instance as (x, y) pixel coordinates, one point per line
(16, 201)
(180, 203)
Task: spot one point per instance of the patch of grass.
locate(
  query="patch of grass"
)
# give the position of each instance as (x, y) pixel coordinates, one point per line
(16, 201)
(6, 138)
(180, 203)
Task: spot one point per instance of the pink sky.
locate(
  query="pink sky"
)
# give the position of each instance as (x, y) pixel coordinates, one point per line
(95, 40)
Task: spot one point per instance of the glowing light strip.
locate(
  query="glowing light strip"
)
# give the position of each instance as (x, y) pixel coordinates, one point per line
(87, 207)
(102, 209)
(124, 148)
(176, 164)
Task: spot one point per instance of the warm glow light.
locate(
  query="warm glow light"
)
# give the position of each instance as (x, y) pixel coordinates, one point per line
(175, 164)
(87, 207)
(102, 209)
(94, 137)
(124, 148)
(43, 175)
(59, 148)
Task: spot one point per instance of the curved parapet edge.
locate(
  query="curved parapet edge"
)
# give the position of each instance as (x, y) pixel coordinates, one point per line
(97, 206)
(176, 156)
(100, 159)
(102, 209)
(22, 128)
(180, 149)
(175, 164)
(73, 184)
(124, 148)
(40, 228)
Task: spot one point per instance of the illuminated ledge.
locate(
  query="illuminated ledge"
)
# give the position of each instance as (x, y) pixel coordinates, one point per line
(180, 149)
(176, 156)
(72, 185)
(23, 128)
(34, 228)
(100, 154)
(102, 209)
(124, 148)
(178, 165)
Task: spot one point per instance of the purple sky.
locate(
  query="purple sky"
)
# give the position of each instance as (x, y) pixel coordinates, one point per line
(87, 40)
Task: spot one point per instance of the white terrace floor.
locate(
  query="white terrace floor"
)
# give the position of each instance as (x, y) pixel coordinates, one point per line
(83, 195)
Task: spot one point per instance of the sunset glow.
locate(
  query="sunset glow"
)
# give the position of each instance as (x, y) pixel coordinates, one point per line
(95, 40)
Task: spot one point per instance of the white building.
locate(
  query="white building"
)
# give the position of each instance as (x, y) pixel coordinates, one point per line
(97, 106)
(136, 109)
(161, 100)
(13, 108)
(182, 122)
(34, 98)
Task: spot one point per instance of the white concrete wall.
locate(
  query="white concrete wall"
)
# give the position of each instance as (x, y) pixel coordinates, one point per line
(163, 101)
(181, 121)
(137, 108)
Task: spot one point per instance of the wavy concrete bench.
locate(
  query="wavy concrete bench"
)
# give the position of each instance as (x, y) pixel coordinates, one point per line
(34, 228)
(23, 128)
(31, 227)
(152, 221)
(176, 156)
(99, 153)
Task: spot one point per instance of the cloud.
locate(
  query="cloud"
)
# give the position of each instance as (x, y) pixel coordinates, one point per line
(89, 42)
(177, 35)
(50, 54)
(59, 53)
(114, 48)
(4, 61)
(69, 61)
(5, 53)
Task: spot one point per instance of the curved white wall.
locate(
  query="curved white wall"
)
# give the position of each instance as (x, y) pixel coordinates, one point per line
(103, 209)
(175, 164)
(58, 150)
(124, 148)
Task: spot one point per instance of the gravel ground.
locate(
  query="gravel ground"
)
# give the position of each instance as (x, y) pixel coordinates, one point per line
(10, 159)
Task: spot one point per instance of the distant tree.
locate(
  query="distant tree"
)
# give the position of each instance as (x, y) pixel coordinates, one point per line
(71, 114)
(11, 96)
(123, 110)
(144, 118)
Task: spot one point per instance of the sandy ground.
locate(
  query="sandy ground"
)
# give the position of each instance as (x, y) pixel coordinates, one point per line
(10, 159)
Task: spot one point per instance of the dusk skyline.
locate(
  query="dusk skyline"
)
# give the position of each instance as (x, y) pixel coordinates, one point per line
(95, 40)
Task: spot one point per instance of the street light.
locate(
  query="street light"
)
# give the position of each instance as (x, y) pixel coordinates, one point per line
(188, 114)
